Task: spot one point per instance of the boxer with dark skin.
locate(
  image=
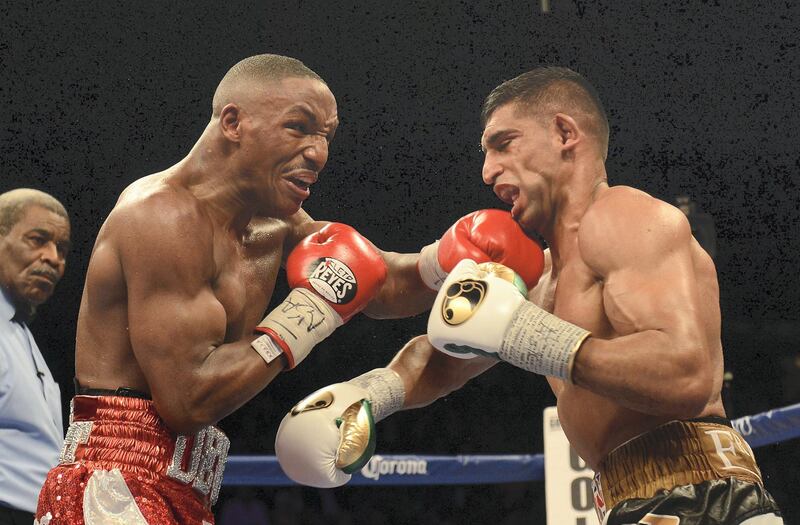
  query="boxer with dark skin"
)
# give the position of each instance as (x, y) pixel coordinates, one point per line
(184, 267)
(177, 321)
(624, 322)
(209, 281)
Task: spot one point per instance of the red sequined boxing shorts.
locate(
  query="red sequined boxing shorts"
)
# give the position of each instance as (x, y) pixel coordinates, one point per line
(121, 464)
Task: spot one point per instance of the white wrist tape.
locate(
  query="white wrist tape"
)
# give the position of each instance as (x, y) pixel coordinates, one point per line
(386, 391)
(267, 348)
(429, 270)
(299, 323)
(540, 342)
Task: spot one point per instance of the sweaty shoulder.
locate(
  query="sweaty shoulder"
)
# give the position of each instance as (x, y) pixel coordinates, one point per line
(625, 226)
(158, 217)
(300, 226)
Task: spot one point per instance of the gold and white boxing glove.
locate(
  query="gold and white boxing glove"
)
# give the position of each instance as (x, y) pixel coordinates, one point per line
(482, 309)
(331, 433)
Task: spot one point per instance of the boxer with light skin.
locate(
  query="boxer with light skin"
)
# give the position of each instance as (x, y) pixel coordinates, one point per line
(624, 322)
(171, 333)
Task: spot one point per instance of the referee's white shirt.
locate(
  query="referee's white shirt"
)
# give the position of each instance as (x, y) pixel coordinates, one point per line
(31, 432)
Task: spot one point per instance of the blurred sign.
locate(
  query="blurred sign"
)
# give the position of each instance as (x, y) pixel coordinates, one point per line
(567, 479)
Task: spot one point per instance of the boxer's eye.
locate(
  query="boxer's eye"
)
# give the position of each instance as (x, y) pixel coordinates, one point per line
(298, 126)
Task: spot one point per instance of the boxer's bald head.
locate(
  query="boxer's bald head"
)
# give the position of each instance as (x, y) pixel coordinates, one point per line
(550, 90)
(252, 71)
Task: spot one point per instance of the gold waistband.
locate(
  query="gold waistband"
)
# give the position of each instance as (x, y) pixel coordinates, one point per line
(676, 453)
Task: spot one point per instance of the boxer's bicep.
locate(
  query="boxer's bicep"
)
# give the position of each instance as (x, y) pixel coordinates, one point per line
(663, 297)
(174, 318)
(652, 285)
(656, 310)
(657, 358)
(644, 265)
(171, 327)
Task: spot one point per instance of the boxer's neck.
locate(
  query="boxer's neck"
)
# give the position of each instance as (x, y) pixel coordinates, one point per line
(214, 181)
(578, 191)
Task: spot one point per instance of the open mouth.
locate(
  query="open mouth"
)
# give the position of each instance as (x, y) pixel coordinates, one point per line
(506, 193)
(300, 183)
(303, 185)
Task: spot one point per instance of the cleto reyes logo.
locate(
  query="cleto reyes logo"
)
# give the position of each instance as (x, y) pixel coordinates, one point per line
(333, 280)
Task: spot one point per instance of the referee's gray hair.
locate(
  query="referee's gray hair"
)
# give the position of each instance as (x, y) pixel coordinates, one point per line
(14, 203)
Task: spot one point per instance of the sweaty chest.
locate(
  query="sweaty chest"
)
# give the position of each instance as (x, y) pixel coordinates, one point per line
(578, 298)
(244, 285)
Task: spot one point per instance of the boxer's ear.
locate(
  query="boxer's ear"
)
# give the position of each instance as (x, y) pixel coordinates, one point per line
(230, 122)
(568, 132)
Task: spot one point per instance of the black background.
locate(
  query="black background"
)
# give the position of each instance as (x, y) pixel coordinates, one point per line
(701, 97)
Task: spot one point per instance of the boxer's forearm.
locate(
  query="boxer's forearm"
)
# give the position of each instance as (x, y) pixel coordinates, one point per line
(648, 372)
(403, 294)
(429, 375)
(209, 389)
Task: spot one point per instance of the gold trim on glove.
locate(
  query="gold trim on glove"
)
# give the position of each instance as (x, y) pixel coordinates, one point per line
(357, 438)
(316, 401)
(462, 299)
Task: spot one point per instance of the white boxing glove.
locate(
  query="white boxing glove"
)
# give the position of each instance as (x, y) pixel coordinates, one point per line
(482, 309)
(327, 436)
(466, 320)
(331, 433)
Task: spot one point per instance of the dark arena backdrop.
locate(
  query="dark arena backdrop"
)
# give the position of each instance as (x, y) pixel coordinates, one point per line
(702, 98)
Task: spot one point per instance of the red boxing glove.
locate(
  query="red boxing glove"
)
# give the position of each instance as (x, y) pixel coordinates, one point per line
(333, 274)
(483, 236)
(340, 265)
